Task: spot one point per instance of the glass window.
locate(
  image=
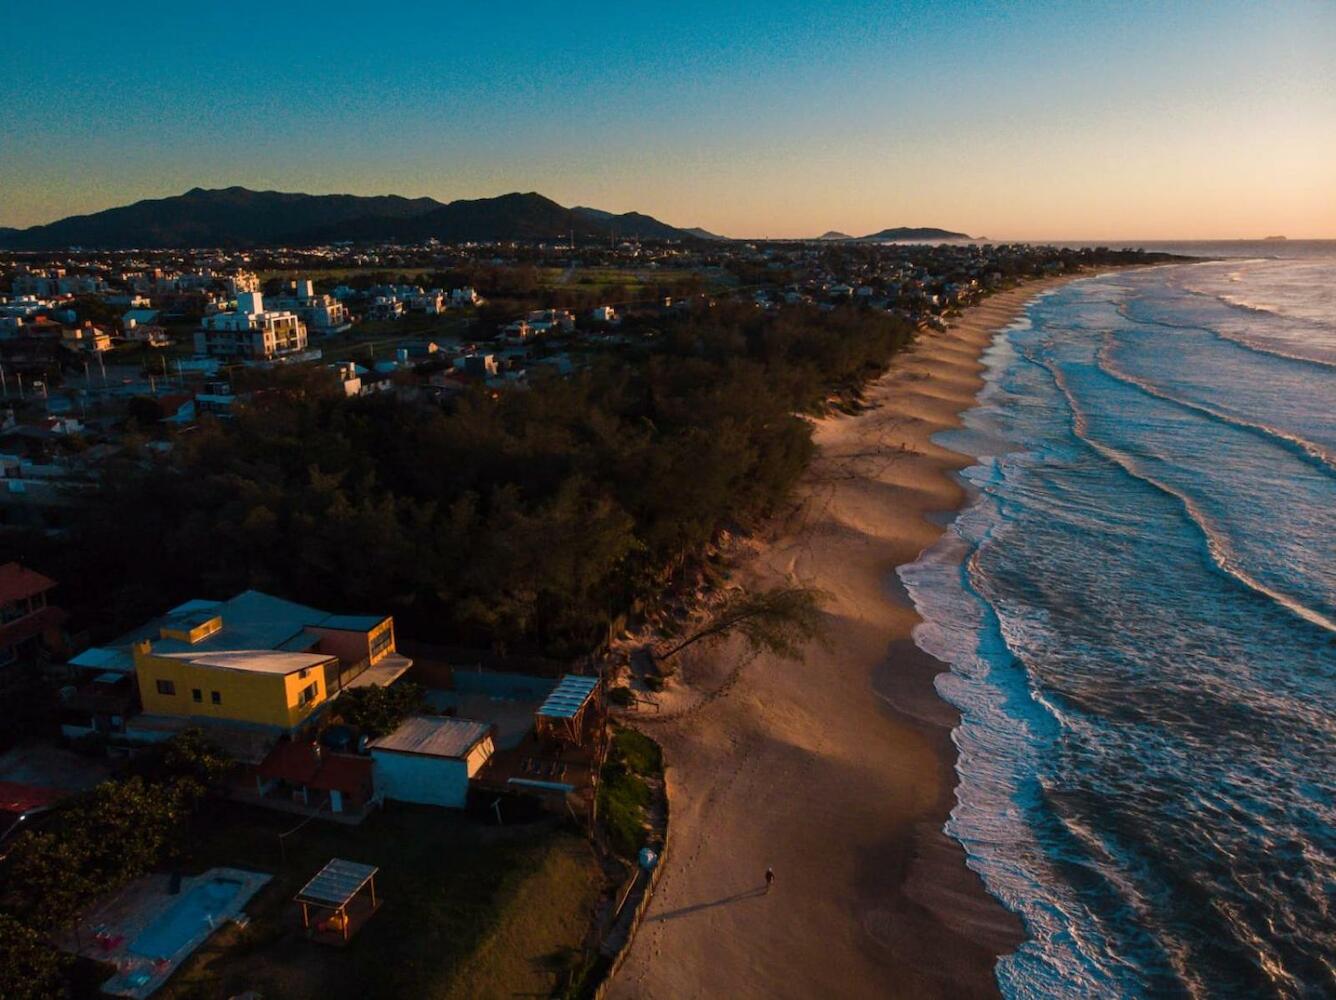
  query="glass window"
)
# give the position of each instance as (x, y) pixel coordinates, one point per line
(166, 687)
(217, 697)
(196, 694)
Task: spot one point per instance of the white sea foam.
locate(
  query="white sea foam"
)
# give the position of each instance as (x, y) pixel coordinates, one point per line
(1145, 748)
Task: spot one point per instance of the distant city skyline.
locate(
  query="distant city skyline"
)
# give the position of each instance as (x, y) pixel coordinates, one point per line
(1033, 122)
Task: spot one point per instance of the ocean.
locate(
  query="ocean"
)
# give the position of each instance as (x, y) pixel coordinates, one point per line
(1138, 608)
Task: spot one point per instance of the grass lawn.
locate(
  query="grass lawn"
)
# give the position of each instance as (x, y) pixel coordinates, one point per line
(470, 910)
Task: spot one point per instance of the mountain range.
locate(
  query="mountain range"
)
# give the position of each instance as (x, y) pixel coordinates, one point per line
(237, 217)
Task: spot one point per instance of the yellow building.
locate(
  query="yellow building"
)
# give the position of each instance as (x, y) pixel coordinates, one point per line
(258, 660)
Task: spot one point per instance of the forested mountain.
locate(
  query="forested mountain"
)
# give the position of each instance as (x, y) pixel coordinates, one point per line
(239, 217)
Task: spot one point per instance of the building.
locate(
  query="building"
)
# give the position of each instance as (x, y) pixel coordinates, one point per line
(385, 307)
(258, 661)
(149, 334)
(87, 337)
(30, 627)
(317, 778)
(250, 332)
(323, 315)
(430, 759)
(432, 303)
(482, 365)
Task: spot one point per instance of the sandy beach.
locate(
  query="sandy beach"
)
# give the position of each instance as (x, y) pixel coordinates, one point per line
(838, 770)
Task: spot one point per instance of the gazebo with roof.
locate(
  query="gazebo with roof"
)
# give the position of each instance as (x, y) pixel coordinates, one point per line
(335, 888)
(562, 715)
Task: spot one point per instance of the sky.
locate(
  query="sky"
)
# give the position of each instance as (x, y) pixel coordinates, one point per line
(1023, 120)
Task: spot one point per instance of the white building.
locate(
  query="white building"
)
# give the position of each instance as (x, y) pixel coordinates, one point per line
(430, 759)
(251, 332)
(323, 314)
(383, 307)
(242, 282)
(87, 337)
(432, 303)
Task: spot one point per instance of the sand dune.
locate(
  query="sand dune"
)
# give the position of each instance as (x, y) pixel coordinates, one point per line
(836, 770)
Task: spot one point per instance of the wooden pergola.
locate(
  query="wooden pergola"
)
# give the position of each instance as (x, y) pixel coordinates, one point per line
(562, 715)
(334, 887)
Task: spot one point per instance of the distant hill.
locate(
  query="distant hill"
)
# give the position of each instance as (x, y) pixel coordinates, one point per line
(907, 234)
(704, 234)
(834, 234)
(630, 224)
(227, 217)
(238, 217)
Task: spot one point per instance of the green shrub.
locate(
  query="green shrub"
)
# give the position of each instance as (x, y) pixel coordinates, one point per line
(622, 799)
(637, 751)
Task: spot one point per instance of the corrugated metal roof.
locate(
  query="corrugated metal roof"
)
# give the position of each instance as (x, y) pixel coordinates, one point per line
(434, 736)
(337, 883)
(101, 658)
(568, 697)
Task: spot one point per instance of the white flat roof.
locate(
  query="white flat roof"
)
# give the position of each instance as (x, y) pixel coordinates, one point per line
(253, 661)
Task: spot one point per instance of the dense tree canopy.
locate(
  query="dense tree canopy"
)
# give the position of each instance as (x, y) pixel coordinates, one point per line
(535, 518)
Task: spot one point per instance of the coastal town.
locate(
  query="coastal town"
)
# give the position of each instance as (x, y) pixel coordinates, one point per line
(240, 720)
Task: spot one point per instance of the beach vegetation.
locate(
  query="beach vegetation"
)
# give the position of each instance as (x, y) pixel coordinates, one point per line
(779, 621)
(624, 793)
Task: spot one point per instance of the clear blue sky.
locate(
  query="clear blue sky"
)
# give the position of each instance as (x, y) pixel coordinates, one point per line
(1025, 120)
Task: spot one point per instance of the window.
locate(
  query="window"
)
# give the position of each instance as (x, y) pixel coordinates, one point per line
(307, 695)
(166, 687)
(196, 694)
(216, 697)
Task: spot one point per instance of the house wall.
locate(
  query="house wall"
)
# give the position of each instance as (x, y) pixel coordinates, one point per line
(350, 646)
(431, 781)
(477, 757)
(257, 698)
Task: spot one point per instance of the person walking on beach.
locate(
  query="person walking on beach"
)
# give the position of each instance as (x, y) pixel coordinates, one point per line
(769, 878)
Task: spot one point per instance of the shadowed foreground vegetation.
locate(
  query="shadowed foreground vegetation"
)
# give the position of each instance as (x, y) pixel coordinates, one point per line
(470, 910)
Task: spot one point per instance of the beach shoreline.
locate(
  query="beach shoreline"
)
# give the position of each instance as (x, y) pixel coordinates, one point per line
(838, 771)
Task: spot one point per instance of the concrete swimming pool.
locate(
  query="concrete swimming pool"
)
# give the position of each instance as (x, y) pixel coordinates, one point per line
(196, 911)
(146, 931)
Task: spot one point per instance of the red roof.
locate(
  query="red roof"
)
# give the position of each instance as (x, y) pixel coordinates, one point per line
(344, 773)
(302, 764)
(18, 582)
(18, 799)
(32, 624)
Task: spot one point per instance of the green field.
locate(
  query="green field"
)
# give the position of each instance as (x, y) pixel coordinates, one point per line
(470, 909)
